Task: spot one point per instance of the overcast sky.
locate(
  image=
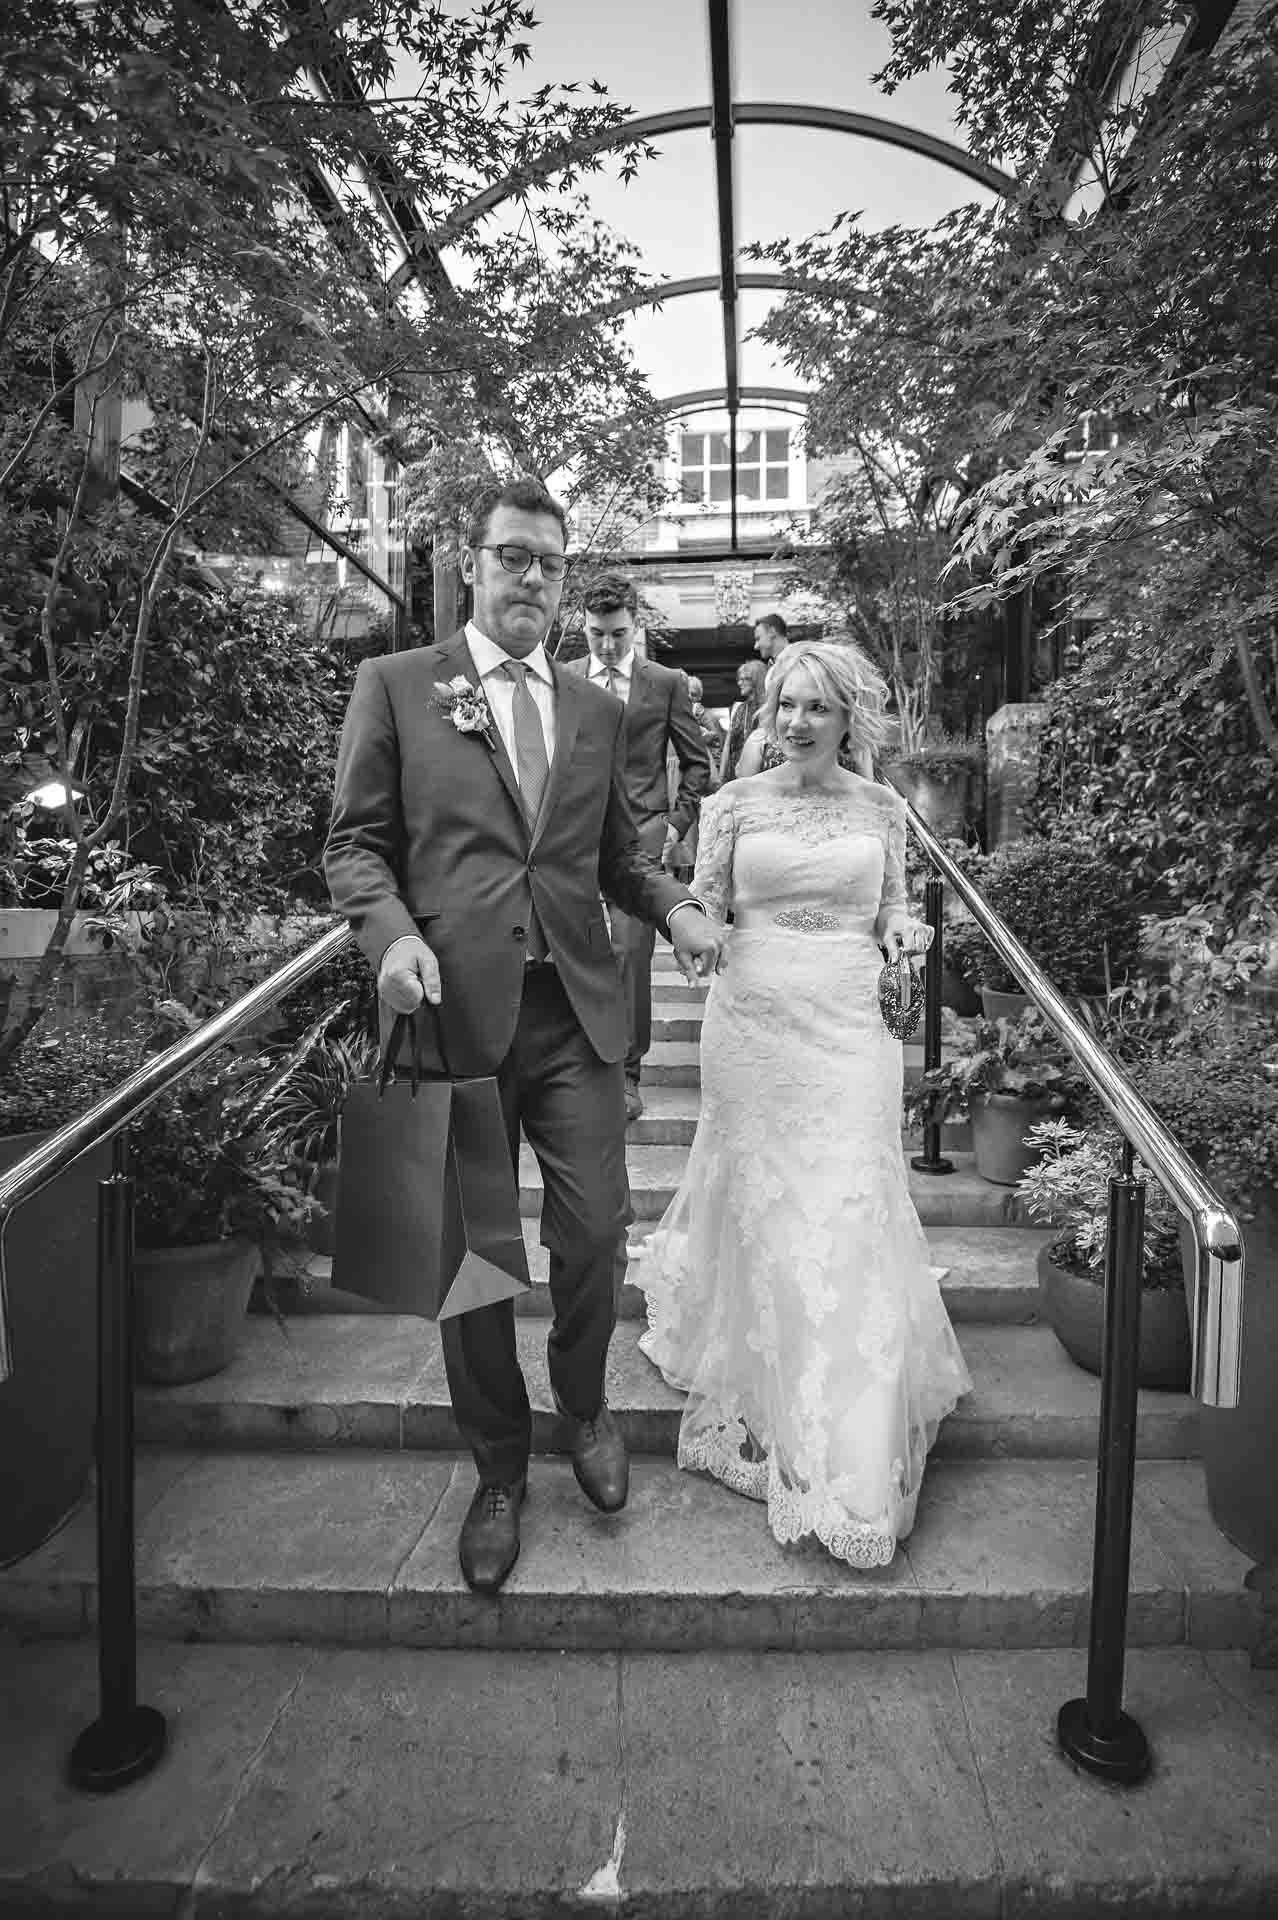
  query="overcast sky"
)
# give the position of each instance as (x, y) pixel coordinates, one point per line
(654, 54)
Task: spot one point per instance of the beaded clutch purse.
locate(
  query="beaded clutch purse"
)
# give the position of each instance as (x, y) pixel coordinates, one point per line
(900, 997)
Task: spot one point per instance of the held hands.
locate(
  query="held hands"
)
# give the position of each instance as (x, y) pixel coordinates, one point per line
(409, 971)
(912, 937)
(697, 942)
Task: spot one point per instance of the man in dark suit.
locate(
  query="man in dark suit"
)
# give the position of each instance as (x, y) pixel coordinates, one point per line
(659, 720)
(479, 807)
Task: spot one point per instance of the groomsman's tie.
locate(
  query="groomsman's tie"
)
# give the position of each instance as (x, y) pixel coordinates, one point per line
(532, 768)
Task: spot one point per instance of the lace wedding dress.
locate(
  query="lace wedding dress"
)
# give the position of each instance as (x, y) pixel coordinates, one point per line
(789, 1293)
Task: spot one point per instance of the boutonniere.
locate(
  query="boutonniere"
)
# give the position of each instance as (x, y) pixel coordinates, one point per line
(466, 707)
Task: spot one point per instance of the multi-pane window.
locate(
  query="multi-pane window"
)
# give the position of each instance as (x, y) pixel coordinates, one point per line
(763, 467)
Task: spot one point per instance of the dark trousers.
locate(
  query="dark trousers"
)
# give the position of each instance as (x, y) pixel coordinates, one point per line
(571, 1105)
(633, 942)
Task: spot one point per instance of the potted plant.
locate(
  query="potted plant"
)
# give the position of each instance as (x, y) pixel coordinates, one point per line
(1068, 1188)
(1069, 909)
(303, 1118)
(216, 1196)
(937, 777)
(1217, 1091)
(49, 1399)
(1007, 1076)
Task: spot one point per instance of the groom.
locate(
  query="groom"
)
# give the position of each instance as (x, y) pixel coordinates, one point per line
(469, 864)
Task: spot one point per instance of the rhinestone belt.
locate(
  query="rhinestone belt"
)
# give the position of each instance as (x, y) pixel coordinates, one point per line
(807, 920)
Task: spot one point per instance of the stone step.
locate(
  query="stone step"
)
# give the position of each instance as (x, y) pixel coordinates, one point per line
(358, 1548)
(377, 1381)
(372, 1781)
(990, 1275)
(961, 1198)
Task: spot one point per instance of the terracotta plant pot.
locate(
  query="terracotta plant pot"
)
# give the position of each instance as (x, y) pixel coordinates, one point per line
(1073, 1306)
(1000, 1122)
(190, 1305)
(1240, 1444)
(49, 1402)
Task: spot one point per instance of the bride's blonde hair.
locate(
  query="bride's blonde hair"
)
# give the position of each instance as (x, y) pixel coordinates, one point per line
(846, 677)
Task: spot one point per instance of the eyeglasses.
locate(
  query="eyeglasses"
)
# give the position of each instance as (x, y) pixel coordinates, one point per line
(519, 560)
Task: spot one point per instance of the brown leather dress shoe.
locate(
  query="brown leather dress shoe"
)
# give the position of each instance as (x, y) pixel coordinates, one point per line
(600, 1461)
(489, 1544)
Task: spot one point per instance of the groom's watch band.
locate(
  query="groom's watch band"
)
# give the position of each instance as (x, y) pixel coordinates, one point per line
(679, 906)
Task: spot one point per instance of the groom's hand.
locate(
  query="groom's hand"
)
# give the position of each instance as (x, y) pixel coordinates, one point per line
(697, 941)
(409, 971)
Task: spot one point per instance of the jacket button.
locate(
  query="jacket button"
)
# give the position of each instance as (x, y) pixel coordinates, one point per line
(518, 933)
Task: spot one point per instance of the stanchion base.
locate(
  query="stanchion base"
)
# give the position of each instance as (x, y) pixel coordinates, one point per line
(106, 1757)
(921, 1164)
(1122, 1758)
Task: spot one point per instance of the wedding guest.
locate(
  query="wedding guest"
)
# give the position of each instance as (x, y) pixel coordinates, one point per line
(658, 723)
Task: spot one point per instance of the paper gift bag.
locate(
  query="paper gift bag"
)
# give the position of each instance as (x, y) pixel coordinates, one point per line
(427, 1210)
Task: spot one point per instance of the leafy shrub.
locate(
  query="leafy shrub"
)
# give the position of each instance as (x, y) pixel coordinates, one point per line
(54, 1080)
(1068, 906)
(1217, 1092)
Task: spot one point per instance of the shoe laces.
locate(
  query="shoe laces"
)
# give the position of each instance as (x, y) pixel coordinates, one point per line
(496, 1501)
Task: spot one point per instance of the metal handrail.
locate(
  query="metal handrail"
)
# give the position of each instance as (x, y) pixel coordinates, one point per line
(155, 1076)
(1215, 1317)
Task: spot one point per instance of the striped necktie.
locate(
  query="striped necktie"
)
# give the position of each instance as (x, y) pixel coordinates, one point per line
(532, 763)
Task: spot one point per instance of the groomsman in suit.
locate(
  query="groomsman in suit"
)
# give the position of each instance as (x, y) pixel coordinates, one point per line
(479, 806)
(659, 719)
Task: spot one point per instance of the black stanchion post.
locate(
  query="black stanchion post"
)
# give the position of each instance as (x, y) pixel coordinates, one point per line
(1095, 1731)
(126, 1740)
(931, 1160)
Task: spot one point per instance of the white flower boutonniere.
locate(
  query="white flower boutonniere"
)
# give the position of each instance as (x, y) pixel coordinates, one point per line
(466, 707)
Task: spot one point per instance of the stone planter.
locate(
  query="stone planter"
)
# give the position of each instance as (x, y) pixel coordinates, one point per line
(1240, 1445)
(49, 1403)
(1004, 1006)
(1073, 1306)
(190, 1304)
(941, 798)
(1000, 1122)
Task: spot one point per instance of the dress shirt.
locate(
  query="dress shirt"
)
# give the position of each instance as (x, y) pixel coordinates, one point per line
(620, 685)
(499, 689)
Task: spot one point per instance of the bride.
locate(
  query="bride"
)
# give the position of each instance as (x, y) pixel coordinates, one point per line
(788, 1288)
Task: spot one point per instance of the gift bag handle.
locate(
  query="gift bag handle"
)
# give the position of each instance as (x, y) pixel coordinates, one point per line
(390, 1058)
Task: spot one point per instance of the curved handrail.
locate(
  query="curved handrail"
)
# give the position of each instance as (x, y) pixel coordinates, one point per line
(1216, 1310)
(157, 1075)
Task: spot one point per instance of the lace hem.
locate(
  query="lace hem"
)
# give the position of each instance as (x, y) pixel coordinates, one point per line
(793, 1515)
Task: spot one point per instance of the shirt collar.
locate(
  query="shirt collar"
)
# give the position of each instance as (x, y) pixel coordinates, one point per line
(490, 658)
(598, 671)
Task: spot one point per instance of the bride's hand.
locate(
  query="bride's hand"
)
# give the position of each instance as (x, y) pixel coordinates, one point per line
(913, 937)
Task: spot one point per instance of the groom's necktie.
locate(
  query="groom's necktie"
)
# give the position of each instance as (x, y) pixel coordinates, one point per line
(532, 763)
(532, 768)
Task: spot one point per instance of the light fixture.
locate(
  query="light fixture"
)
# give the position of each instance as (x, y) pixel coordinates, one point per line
(52, 794)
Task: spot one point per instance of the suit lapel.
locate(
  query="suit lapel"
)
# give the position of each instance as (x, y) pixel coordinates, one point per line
(457, 659)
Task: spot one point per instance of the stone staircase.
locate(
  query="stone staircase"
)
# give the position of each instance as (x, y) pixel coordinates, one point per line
(664, 1712)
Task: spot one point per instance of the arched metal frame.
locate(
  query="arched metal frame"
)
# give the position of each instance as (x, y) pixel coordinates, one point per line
(721, 117)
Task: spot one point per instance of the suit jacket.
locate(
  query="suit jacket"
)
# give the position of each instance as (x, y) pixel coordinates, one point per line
(429, 835)
(659, 715)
